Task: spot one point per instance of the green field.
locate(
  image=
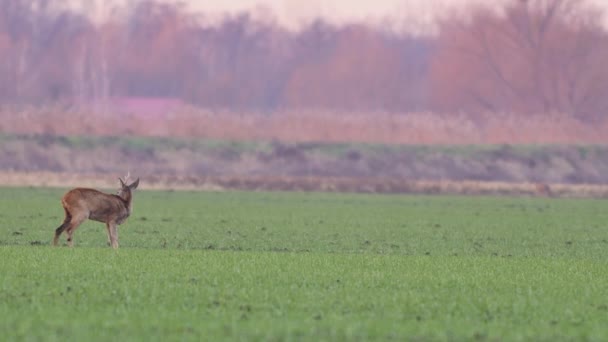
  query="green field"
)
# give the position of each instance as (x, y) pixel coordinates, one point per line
(308, 266)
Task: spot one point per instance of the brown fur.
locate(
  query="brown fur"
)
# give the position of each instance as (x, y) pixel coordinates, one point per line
(543, 189)
(81, 204)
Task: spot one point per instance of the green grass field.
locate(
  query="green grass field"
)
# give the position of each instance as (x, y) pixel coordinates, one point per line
(308, 266)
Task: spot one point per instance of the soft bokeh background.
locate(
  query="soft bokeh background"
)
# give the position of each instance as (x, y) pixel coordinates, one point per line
(505, 91)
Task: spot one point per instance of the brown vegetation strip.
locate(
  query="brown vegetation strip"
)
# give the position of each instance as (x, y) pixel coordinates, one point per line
(324, 184)
(317, 126)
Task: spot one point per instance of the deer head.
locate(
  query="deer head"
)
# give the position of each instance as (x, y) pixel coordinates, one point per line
(125, 188)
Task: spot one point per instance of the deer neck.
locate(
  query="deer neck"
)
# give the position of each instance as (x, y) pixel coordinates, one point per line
(126, 198)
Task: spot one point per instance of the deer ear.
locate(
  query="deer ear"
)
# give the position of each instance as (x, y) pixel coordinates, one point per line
(134, 185)
(121, 182)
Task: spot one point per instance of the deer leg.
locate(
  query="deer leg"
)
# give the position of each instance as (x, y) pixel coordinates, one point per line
(109, 231)
(64, 225)
(113, 230)
(76, 221)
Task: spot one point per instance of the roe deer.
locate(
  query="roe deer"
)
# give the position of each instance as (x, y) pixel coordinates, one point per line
(542, 189)
(81, 204)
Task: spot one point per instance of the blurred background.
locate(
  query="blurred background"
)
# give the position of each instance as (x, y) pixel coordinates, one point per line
(305, 95)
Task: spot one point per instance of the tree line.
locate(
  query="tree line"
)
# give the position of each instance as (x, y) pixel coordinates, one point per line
(538, 57)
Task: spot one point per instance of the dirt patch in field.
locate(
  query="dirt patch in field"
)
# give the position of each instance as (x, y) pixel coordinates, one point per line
(323, 184)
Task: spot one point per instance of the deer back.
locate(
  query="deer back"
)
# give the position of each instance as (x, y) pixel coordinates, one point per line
(96, 205)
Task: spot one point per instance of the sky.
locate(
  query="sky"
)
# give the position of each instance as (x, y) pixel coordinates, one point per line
(293, 13)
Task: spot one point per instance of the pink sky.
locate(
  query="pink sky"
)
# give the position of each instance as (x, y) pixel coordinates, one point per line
(292, 13)
(413, 14)
(416, 14)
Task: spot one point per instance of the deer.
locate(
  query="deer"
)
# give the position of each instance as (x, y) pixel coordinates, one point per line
(81, 204)
(543, 189)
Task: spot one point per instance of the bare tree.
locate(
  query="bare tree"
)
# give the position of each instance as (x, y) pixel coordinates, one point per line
(535, 56)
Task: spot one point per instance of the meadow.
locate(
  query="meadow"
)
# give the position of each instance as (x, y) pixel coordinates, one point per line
(308, 266)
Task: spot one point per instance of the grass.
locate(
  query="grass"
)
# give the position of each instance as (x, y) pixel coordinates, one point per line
(307, 266)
